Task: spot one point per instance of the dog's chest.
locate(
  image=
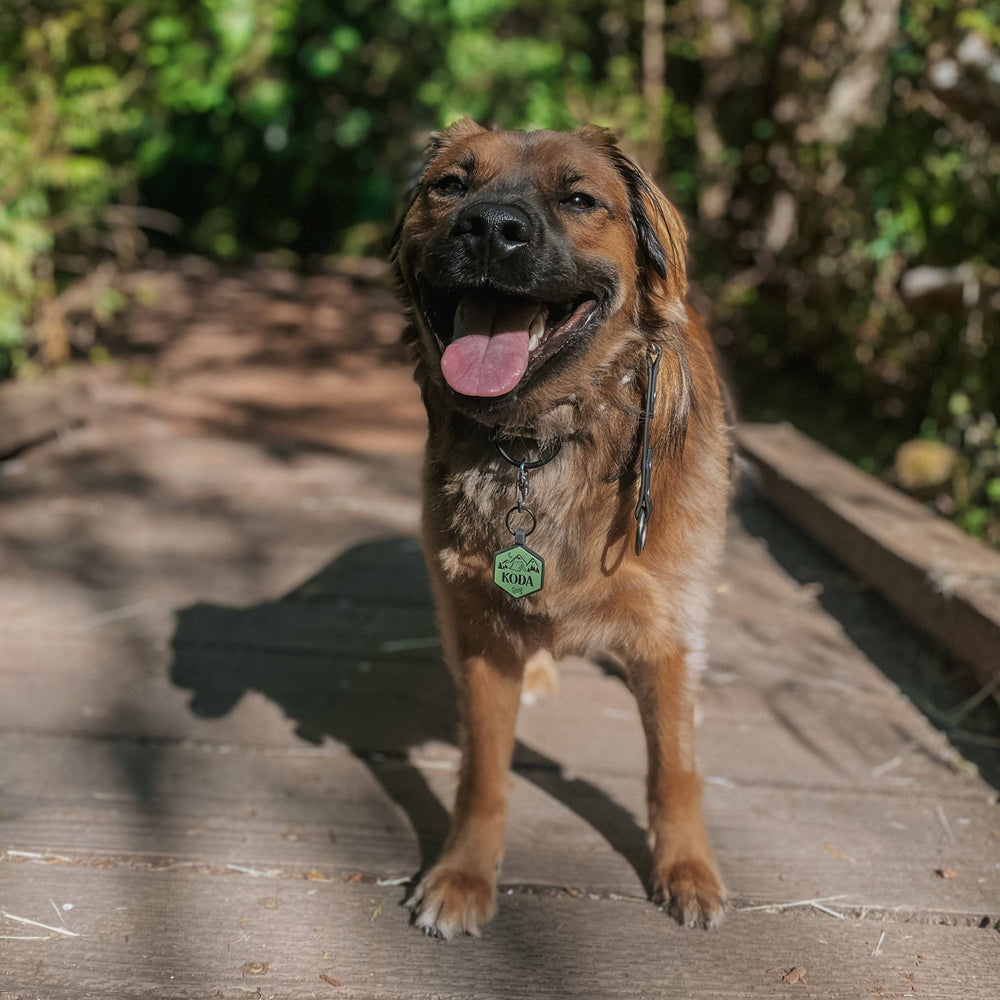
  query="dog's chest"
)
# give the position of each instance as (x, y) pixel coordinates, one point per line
(574, 515)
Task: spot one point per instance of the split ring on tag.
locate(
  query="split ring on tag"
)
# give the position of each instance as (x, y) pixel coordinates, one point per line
(518, 531)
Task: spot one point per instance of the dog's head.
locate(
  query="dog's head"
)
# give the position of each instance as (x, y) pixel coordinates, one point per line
(530, 262)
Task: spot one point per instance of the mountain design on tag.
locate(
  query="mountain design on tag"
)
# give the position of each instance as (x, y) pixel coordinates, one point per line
(518, 571)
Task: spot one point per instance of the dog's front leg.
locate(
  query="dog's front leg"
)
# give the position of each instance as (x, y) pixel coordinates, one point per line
(685, 875)
(459, 893)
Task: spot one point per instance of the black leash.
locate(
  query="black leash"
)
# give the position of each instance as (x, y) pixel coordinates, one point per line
(644, 508)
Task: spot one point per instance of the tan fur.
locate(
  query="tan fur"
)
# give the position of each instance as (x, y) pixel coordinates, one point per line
(541, 679)
(650, 611)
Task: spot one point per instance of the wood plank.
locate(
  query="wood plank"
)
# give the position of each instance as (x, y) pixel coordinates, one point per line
(939, 578)
(217, 662)
(777, 730)
(568, 825)
(167, 936)
(351, 654)
(33, 411)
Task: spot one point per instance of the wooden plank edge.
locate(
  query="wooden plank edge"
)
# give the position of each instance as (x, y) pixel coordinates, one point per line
(956, 615)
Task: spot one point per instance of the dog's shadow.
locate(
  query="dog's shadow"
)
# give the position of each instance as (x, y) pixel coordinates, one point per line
(353, 654)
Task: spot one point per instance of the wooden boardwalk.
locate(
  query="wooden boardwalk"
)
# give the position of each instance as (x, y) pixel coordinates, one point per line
(226, 733)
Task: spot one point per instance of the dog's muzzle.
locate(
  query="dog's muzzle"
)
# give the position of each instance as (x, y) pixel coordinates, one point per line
(492, 233)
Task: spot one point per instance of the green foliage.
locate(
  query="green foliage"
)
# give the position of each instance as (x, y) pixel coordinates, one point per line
(914, 185)
(64, 101)
(324, 107)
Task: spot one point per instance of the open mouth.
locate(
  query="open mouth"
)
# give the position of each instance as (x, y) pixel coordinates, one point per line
(490, 340)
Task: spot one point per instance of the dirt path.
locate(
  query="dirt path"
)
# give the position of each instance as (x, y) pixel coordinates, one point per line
(226, 734)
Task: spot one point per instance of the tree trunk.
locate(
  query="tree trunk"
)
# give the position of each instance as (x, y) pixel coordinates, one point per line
(653, 74)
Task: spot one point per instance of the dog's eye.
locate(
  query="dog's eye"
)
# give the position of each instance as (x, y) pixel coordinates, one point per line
(450, 184)
(578, 201)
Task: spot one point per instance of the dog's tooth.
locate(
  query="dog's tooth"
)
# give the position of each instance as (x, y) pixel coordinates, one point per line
(537, 331)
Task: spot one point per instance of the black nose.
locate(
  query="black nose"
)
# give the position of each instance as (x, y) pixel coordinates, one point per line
(493, 231)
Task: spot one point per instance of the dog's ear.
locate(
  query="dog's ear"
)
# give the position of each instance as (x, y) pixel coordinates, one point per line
(464, 128)
(658, 229)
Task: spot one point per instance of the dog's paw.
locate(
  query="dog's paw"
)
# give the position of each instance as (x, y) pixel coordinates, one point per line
(692, 893)
(449, 901)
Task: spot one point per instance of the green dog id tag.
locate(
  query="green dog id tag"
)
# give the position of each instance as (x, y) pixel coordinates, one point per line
(518, 570)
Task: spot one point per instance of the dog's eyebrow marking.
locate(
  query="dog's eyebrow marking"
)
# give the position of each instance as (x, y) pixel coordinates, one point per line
(467, 161)
(570, 177)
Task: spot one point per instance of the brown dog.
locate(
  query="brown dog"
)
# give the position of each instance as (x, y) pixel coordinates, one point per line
(544, 274)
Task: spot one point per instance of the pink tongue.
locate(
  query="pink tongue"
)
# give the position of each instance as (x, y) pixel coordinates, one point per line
(489, 354)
